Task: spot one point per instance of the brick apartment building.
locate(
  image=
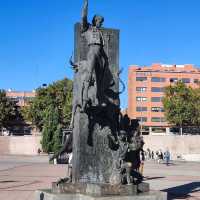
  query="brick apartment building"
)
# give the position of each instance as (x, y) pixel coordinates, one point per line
(21, 98)
(146, 89)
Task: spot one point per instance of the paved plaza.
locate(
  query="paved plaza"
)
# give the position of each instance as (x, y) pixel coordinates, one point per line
(181, 179)
(20, 176)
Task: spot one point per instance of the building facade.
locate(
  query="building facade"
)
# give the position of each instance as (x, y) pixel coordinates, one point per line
(146, 89)
(21, 98)
(19, 126)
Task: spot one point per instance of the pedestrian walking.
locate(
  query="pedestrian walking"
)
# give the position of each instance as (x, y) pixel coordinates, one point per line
(152, 155)
(148, 154)
(159, 156)
(167, 157)
(142, 159)
(39, 151)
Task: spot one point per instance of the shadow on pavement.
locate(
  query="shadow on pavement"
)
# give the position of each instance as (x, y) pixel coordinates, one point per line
(169, 164)
(8, 181)
(18, 186)
(183, 191)
(152, 178)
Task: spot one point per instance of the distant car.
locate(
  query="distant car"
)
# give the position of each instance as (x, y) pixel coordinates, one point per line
(5, 132)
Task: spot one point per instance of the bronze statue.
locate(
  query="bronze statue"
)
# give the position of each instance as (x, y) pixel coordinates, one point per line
(96, 57)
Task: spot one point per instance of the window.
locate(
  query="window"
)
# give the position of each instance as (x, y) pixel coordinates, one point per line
(156, 99)
(13, 99)
(157, 79)
(141, 99)
(17, 98)
(157, 89)
(163, 119)
(141, 89)
(158, 119)
(142, 119)
(185, 80)
(141, 78)
(196, 80)
(158, 130)
(28, 98)
(143, 74)
(157, 109)
(173, 80)
(141, 109)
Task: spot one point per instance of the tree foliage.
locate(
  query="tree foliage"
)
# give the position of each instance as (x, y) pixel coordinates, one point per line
(51, 122)
(50, 111)
(58, 95)
(181, 105)
(57, 138)
(7, 110)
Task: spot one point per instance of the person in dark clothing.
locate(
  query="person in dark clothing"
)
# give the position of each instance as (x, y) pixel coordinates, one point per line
(152, 155)
(161, 155)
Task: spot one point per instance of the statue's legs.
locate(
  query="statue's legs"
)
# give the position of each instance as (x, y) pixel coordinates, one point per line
(96, 68)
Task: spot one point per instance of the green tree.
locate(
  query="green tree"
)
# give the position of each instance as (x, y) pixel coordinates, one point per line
(50, 112)
(58, 94)
(179, 105)
(57, 143)
(7, 110)
(51, 130)
(195, 102)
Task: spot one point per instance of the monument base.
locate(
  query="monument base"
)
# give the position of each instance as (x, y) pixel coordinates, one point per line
(96, 190)
(89, 191)
(151, 195)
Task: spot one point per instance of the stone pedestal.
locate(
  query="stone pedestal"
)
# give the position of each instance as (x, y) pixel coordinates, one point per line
(99, 189)
(88, 191)
(48, 195)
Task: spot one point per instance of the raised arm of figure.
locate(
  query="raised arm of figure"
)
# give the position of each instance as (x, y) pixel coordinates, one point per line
(84, 16)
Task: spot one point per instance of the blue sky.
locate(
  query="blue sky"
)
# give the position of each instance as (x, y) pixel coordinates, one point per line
(36, 36)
